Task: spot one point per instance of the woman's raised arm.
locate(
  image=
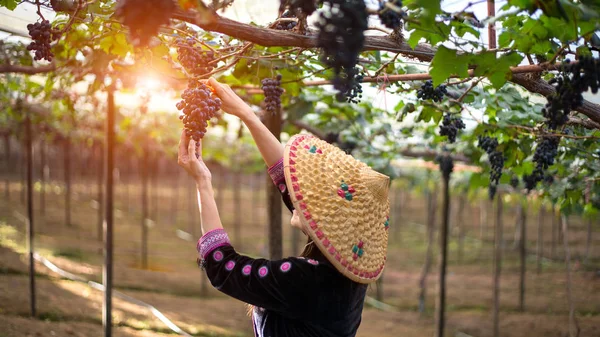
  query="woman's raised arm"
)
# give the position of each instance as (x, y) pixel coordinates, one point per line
(270, 148)
(195, 166)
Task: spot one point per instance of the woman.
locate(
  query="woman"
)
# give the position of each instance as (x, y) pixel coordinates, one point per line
(338, 202)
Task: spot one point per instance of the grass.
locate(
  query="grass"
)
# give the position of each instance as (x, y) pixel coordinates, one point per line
(74, 254)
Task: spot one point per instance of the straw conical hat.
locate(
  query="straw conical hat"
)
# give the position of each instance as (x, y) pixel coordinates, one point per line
(342, 203)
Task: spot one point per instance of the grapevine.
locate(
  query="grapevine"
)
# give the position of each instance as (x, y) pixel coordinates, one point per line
(286, 25)
(341, 38)
(496, 158)
(446, 164)
(272, 89)
(391, 13)
(427, 91)
(144, 17)
(194, 59)
(41, 35)
(450, 126)
(573, 80)
(198, 105)
(514, 182)
(544, 156)
(352, 93)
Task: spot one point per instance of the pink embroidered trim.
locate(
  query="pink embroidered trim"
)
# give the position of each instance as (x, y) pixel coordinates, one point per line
(211, 241)
(276, 172)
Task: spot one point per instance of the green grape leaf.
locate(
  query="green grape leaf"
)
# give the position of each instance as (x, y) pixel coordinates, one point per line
(496, 69)
(446, 63)
(9, 4)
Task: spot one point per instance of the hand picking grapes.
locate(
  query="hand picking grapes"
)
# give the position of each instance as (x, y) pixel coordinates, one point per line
(328, 270)
(198, 106)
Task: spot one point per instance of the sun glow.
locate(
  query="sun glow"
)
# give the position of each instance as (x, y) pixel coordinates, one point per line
(148, 83)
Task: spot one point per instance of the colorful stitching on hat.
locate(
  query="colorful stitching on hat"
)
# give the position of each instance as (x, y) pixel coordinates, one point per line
(345, 191)
(285, 267)
(313, 262)
(313, 149)
(263, 271)
(246, 270)
(229, 265)
(387, 222)
(357, 250)
(218, 255)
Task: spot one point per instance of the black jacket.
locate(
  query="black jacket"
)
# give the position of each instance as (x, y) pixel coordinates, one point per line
(293, 297)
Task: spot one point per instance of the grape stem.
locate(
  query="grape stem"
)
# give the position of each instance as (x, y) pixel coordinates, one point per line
(39, 12)
(383, 66)
(473, 85)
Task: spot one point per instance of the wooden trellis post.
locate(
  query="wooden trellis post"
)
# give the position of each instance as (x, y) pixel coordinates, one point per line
(497, 264)
(446, 166)
(273, 123)
(30, 227)
(107, 269)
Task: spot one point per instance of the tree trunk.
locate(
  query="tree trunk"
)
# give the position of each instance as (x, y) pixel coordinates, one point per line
(273, 123)
(441, 307)
(237, 210)
(296, 246)
(8, 166)
(43, 169)
(540, 239)
(23, 171)
(107, 269)
(379, 286)
(144, 174)
(30, 222)
(67, 177)
(588, 240)
(398, 211)
(253, 204)
(155, 172)
(517, 233)
(523, 254)
(573, 325)
(100, 190)
(483, 205)
(554, 235)
(461, 227)
(175, 198)
(431, 212)
(497, 264)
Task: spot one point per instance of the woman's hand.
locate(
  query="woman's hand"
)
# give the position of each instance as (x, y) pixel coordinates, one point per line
(231, 103)
(190, 158)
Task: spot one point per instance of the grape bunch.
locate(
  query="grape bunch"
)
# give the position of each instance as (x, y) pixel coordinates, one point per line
(496, 158)
(450, 126)
(544, 156)
(514, 182)
(446, 164)
(391, 13)
(195, 60)
(272, 89)
(144, 17)
(286, 25)
(41, 34)
(427, 91)
(198, 105)
(573, 80)
(306, 7)
(341, 25)
(351, 90)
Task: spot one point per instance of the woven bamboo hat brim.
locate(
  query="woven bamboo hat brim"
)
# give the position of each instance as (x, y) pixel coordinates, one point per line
(342, 203)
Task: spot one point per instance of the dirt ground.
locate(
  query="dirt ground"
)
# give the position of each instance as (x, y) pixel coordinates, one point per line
(174, 285)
